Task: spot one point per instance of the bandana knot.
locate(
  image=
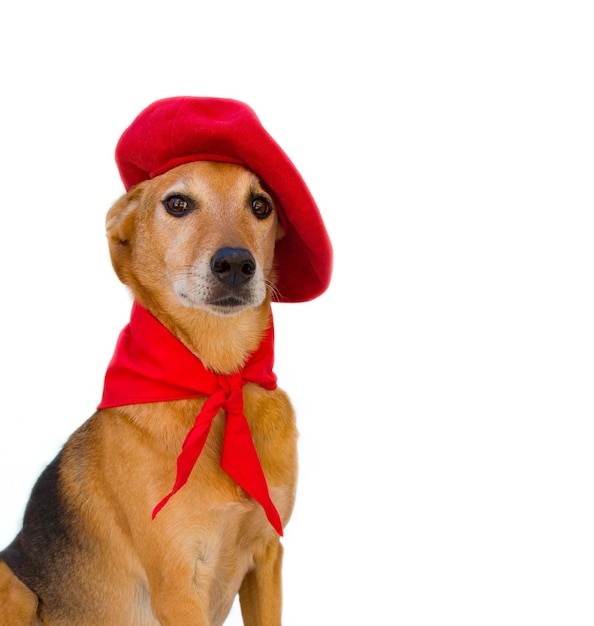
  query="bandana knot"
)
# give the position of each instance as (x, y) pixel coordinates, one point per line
(151, 365)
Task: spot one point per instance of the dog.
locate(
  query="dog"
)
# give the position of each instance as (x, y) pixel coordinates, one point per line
(196, 247)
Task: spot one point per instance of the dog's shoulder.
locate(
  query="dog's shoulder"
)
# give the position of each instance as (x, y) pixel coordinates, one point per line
(274, 431)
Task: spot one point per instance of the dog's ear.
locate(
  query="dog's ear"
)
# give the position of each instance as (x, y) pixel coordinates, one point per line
(120, 226)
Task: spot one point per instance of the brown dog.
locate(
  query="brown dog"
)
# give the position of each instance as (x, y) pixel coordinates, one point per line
(89, 553)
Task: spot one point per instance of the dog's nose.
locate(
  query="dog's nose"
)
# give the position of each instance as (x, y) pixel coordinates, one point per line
(233, 266)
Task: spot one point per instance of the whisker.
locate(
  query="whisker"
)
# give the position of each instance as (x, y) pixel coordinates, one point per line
(271, 287)
(182, 271)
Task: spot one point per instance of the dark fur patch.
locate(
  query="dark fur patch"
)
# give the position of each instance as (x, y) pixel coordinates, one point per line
(38, 553)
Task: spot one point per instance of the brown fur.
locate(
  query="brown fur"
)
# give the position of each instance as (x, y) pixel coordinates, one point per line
(96, 557)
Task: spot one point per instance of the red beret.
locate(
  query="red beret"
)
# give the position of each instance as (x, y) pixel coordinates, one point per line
(175, 131)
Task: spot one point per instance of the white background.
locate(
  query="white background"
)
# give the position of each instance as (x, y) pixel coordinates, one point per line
(444, 382)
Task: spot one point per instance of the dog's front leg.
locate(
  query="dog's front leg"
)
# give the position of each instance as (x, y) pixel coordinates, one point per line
(260, 595)
(175, 600)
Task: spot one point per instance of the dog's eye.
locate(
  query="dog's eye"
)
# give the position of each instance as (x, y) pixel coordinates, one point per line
(177, 205)
(261, 207)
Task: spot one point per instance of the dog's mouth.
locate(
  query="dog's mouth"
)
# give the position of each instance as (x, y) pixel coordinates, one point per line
(218, 299)
(229, 302)
(229, 305)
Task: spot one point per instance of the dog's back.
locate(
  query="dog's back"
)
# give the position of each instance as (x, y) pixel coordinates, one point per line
(59, 570)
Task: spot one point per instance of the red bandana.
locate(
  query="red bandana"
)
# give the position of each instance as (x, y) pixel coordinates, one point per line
(151, 365)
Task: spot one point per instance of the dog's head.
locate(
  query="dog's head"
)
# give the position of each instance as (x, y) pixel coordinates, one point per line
(200, 236)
